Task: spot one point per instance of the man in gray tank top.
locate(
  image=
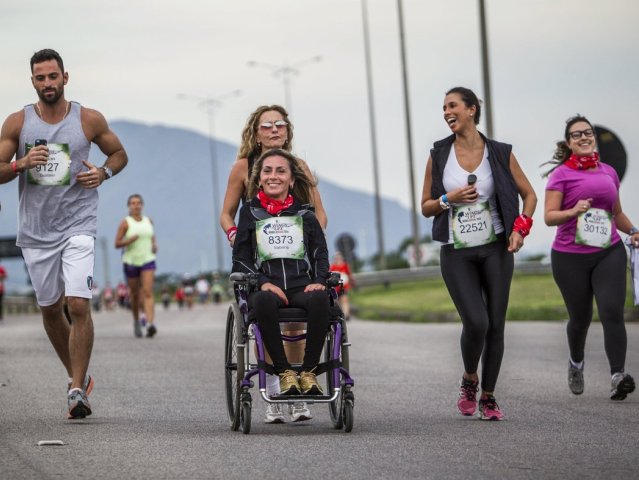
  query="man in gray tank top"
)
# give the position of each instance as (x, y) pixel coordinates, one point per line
(57, 216)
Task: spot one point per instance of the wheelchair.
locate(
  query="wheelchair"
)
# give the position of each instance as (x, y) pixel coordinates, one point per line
(243, 338)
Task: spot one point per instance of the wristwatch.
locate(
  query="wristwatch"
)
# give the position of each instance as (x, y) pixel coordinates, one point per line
(443, 202)
(108, 173)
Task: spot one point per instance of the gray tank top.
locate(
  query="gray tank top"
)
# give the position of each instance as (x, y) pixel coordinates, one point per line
(53, 207)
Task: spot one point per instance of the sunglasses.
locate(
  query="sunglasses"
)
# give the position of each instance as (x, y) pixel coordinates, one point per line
(279, 124)
(576, 135)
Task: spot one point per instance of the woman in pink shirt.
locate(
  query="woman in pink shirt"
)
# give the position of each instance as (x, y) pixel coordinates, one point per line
(588, 256)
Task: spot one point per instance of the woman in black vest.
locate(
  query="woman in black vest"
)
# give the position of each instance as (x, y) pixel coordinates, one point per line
(471, 189)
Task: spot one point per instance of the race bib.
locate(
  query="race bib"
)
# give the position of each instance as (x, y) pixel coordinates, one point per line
(594, 228)
(57, 170)
(280, 237)
(472, 225)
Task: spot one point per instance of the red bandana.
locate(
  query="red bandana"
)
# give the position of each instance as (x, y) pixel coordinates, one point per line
(582, 162)
(273, 206)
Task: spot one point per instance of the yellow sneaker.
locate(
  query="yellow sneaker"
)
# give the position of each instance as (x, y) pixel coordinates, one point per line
(308, 382)
(288, 383)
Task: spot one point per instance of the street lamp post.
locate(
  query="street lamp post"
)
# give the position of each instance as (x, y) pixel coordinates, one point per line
(409, 137)
(373, 130)
(285, 72)
(488, 114)
(210, 105)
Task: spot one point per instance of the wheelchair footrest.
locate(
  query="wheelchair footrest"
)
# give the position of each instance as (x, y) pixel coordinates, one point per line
(300, 398)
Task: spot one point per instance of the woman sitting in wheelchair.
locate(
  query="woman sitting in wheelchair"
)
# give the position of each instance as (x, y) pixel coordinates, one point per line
(279, 238)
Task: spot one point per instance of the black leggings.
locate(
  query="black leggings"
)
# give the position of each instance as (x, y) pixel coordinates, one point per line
(602, 275)
(478, 280)
(265, 305)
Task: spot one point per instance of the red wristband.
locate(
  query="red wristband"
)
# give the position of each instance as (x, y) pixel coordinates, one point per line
(14, 167)
(522, 225)
(230, 233)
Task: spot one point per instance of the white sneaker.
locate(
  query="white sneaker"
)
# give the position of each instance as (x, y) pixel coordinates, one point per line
(299, 412)
(274, 414)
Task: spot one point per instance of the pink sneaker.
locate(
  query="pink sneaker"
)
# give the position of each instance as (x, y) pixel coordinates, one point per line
(467, 402)
(489, 410)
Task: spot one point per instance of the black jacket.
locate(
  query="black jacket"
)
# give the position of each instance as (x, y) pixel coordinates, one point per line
(286, 273)
(506, 193)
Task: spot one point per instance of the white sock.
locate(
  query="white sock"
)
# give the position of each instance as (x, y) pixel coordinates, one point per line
(579, 365)
(272, 384)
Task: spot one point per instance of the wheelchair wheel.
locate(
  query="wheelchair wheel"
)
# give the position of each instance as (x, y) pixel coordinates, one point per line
(234, 364)
(348, 405)
(335, 408)
(245, 413)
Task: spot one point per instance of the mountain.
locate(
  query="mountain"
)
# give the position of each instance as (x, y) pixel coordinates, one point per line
(171, 168)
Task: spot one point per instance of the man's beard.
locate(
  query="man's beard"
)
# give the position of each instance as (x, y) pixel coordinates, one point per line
(51, 100)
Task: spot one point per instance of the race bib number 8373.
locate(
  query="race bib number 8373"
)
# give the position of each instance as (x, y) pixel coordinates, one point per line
(280, 237)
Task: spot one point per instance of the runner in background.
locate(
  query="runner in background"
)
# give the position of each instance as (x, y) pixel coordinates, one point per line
(136, 237)
(165, 297)
(188, 287)
(202, 287)
(340, 265)
(180, 297)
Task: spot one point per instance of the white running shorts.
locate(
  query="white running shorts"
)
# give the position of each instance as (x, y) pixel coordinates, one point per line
(66, 268)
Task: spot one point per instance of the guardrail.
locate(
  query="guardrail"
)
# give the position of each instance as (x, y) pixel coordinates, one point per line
(19, 304)
(383, 277)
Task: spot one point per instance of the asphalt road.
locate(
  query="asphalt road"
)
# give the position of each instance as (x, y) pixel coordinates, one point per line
(159, 409)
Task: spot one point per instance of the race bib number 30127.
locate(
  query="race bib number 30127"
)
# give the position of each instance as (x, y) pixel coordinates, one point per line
(594, 228)
(57, 170)
(280, 237)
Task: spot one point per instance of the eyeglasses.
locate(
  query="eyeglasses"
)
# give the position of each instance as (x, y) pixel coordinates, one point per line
(576, 135)
(279, 124)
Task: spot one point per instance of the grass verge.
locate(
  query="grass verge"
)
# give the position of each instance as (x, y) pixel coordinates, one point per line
(532, 297)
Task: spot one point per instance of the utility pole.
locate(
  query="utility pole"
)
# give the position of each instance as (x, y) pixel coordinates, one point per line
(488, 114)
(409, 137)
(373, 130)
(210, 105)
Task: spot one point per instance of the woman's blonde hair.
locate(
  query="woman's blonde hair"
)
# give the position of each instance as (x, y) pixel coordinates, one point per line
(249, 145)
(301, 187)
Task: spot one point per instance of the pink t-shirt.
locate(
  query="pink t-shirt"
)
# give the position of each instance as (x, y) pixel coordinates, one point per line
(600, 184)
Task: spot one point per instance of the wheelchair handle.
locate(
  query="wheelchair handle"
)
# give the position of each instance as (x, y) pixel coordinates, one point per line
(238, 277)
(334, 279)
(241, 277)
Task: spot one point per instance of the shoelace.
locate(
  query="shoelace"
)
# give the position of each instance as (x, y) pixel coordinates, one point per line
(490, 404)
(470, 390)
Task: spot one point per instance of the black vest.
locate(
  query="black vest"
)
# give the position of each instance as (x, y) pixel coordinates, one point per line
(506, 193)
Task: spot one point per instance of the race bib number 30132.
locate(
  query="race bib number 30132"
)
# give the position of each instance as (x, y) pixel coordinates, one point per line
(57, 170)
(280, 237)
(594, 228)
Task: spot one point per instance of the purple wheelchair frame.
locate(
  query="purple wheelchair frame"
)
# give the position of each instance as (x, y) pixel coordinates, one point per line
(336, 371)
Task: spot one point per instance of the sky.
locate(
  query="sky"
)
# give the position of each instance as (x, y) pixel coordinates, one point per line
(549, 59)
